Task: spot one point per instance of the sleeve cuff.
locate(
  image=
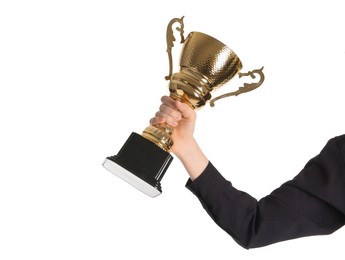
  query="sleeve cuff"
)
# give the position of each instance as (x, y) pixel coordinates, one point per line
(208, 185)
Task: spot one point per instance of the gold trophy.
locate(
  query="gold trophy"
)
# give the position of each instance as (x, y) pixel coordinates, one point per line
(205, 65)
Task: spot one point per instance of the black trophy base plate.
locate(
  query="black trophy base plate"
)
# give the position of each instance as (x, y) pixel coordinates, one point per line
(140, 163)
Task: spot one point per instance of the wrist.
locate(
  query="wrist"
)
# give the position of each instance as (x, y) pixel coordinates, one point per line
(192, 158)
(184, 152)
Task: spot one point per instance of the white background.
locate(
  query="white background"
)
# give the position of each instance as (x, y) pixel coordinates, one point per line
(77, 77)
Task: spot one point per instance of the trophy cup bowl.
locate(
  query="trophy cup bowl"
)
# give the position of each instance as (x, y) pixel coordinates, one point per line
(205, 65)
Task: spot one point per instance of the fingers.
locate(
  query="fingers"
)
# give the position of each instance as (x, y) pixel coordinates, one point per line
(168, 113)
(186, 111)
(168, 101)
(161, 118)
(178, 108)
(174, 113)
(157, 120)
(165, 118)
(171, 112)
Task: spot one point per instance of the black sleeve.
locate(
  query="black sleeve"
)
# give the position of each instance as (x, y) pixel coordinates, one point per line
(313, 203)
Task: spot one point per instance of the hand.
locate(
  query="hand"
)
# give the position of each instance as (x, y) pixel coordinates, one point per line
(180, 116)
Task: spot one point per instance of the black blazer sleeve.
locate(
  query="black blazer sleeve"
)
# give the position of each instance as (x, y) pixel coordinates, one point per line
(313, 203)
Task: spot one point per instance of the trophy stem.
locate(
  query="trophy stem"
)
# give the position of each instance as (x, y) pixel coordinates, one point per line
(160, 135)
(189, 87)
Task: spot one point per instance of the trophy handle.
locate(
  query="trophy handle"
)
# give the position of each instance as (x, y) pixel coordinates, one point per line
(160, 134)
(171, 39)
(246, 87)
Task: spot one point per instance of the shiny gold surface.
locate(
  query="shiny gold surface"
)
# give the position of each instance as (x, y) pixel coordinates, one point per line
(211, 58)
(246, 87)
(160, 135)
(171, 39)
(191, 87)
(205, 65)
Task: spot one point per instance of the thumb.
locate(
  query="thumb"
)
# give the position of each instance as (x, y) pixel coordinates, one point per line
(186, 111)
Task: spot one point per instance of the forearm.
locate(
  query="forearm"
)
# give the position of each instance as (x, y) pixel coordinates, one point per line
(193, 159)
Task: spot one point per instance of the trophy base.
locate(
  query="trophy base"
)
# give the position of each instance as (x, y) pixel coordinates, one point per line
(141, 164)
